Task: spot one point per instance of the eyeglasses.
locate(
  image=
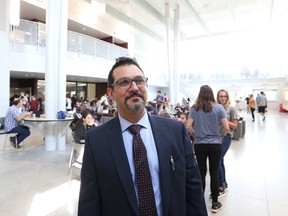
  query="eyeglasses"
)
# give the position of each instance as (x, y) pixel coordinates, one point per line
(222, 96)
(125, 83)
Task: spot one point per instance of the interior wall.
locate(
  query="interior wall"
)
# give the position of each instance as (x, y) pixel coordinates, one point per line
(91, 91)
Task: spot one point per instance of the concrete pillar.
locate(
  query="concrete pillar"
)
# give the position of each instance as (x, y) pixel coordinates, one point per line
(176, 46)
(56, 69)
(4, 57)
(168, 38)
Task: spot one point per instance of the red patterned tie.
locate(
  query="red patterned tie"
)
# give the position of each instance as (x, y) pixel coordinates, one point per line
(143, 177)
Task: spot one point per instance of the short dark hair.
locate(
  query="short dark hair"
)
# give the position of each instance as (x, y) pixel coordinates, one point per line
(120, 62)
(16, 102)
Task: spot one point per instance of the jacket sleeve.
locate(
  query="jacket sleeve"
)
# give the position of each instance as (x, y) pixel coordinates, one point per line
(89, 197)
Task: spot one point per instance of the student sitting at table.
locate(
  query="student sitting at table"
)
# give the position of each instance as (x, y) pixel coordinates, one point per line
(86, 122)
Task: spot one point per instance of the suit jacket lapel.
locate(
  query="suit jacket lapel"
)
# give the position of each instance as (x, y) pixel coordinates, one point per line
(117, 148)
(164, 154)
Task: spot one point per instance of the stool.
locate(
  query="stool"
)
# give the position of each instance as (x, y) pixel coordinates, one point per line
(2, 132)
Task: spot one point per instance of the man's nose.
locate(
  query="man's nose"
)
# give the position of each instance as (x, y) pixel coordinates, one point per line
(133, 85)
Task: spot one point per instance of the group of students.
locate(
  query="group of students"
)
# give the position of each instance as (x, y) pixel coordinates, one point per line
(260, 102)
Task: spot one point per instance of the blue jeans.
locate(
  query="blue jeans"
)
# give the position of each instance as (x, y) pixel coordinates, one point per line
(22, 132)
(226, 142)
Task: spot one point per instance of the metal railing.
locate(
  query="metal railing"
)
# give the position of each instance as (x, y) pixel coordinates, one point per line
(34, 33)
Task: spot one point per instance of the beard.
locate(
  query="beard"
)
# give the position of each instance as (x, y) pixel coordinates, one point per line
(137, 104)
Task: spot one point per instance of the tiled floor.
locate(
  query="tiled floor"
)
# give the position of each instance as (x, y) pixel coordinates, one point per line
(36, 182)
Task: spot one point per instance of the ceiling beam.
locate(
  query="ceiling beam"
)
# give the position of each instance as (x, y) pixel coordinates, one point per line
(231, 4)
(198, 19)
(128, 20)
(150, 9)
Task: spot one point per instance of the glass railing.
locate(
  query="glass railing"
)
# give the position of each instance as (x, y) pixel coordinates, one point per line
(34, 33)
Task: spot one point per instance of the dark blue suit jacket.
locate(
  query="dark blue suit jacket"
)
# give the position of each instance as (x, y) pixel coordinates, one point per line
(106, 182)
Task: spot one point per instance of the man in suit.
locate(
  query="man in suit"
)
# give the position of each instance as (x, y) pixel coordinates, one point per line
(108, 177)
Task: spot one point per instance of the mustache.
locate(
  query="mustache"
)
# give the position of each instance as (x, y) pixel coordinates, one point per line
(138, 94)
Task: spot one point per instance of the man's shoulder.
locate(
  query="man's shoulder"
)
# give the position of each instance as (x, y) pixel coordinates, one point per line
(164, 120)
(13, 108)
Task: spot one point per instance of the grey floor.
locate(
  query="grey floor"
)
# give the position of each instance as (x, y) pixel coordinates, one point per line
(36, 182)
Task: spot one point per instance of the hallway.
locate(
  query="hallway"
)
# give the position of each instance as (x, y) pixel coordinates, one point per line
(34, 182)
(256, 169)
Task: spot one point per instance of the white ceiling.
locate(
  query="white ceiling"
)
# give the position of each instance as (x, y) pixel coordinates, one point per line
(197, 18)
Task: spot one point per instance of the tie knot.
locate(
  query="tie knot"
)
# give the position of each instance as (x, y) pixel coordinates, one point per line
(134, 129)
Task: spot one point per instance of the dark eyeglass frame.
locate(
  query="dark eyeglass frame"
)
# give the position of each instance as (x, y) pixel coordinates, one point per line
(138, 81)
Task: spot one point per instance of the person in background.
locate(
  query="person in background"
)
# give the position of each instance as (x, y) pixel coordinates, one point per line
(109, 173)
(223, 98)
(164, 112)
(34, 106)
(68, 103)
(188, 104)
(157, 109)
(262, 105)
(13, 121)
(25, 101)
(159, 98)
(105, 109)
(178, 110)
(247, 104)
(86, 123)
(252, 105)
(165, 98)
(73, 101)
(184, 119)
(77, 107)
(257, 99)
(208, 121)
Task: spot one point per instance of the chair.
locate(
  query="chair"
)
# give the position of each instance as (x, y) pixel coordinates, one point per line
(76, 156)
(3, 132)
(105, 118)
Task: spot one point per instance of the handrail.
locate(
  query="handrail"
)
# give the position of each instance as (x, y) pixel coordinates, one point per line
(34, 33)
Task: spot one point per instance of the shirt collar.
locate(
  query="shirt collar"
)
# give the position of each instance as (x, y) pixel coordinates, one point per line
(144, 122)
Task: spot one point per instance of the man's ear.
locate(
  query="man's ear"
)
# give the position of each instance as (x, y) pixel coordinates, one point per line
(110, 93)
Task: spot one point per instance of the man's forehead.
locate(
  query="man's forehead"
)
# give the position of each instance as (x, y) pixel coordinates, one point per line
(127, 71)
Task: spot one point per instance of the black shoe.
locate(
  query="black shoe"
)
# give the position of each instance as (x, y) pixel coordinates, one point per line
(264, 118)
(13, 142)
(253, 120)
(221, 193)
(12, 139)
(216, 207)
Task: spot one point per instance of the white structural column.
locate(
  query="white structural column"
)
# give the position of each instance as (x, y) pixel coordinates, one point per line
(168, 38)
(62, 69)
(176, 45)
(55, 74)
(4, 57)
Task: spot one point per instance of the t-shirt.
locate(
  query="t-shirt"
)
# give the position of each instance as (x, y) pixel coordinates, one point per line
(34, 105)
(231, 114)
(207, 126)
